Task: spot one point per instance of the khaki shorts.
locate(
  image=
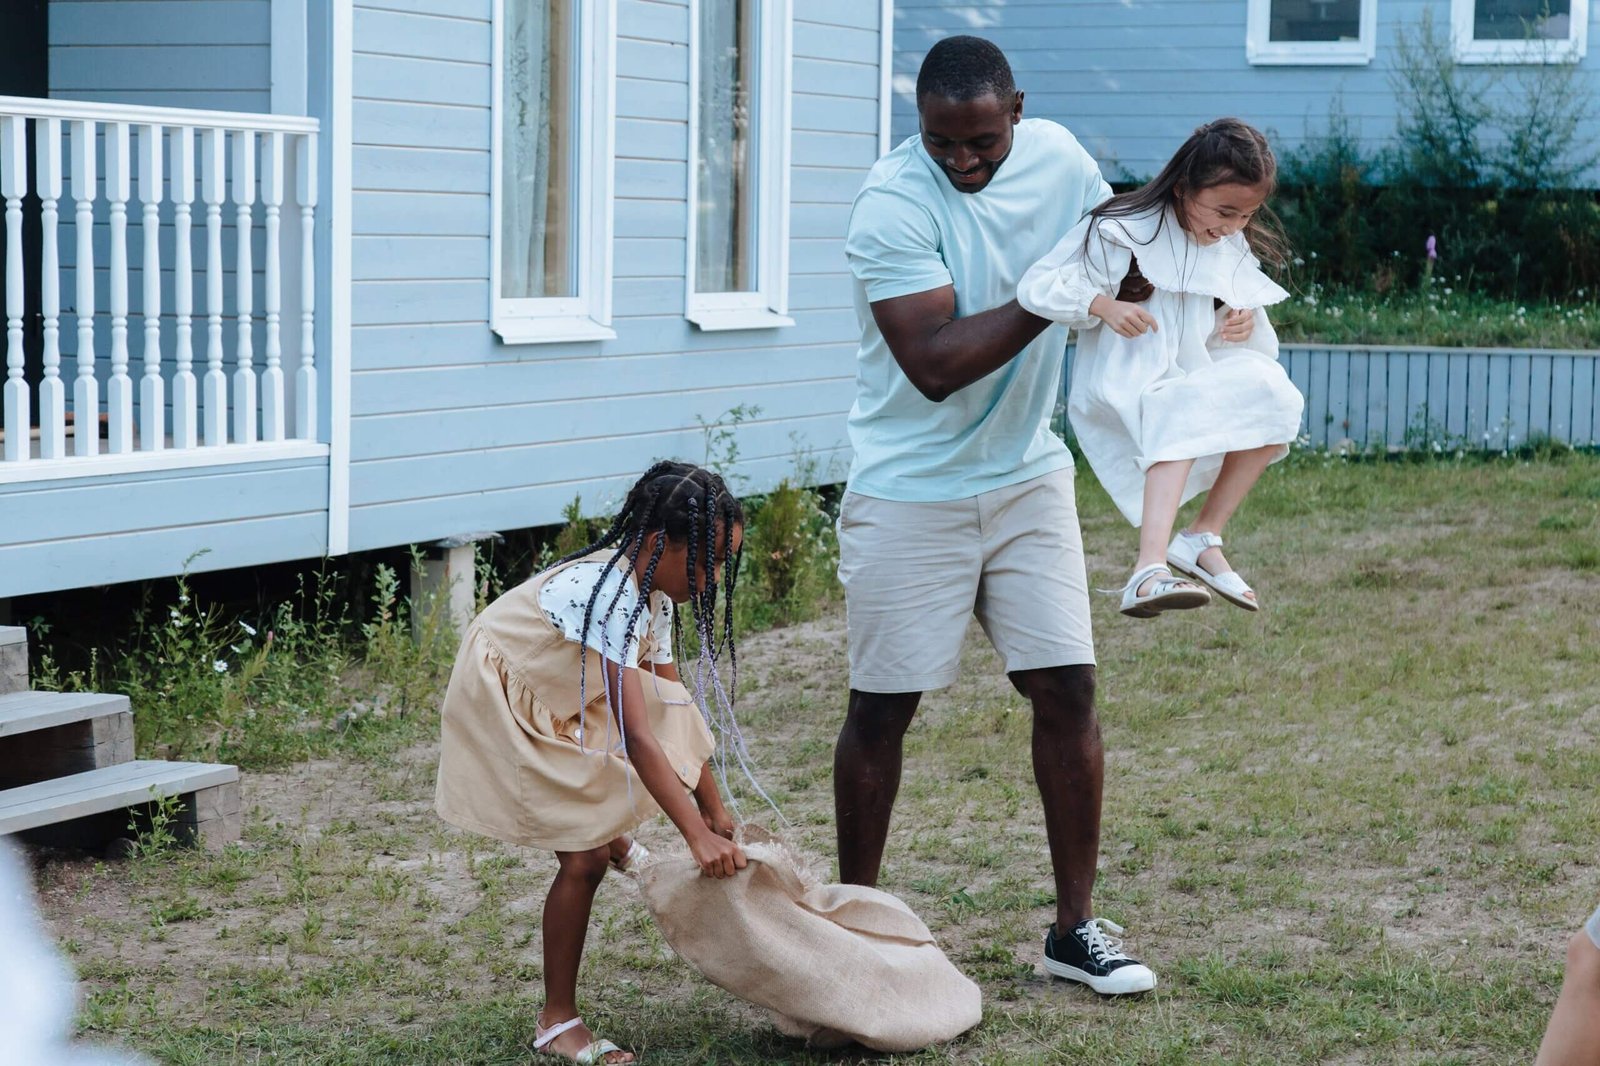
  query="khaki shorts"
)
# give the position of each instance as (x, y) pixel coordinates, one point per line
(914, 574)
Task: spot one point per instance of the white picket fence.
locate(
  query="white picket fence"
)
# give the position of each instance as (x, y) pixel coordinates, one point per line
(168, 161)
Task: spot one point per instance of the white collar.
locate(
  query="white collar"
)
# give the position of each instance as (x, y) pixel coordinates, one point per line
(1171, 260)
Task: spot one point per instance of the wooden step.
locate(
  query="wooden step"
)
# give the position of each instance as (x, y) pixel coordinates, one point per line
(24, 712)
(53, 734)
(91, 808)
(13, 659)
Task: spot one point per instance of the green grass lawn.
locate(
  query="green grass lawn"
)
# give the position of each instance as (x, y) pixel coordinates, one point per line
(1356, 828)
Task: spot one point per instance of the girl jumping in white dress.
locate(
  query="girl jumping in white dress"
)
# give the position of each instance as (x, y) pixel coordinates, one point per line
(1163, 406)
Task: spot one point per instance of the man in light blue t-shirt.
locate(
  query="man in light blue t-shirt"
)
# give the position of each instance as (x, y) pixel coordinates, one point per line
(960, 499)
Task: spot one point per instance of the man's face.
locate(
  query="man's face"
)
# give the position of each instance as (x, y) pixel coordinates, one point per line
(969, 139)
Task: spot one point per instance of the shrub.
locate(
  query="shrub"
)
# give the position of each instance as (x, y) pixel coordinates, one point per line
(790, 548)
(1493, 182)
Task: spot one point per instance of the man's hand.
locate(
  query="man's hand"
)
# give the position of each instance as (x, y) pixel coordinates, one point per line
(1129, 320)
(1238, 325)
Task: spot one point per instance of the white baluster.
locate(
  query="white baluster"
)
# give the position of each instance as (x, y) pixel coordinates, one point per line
(85, 388)
(244, 374)
(119, 389)
(52, 390)
(13, 186)
(272, 201)
(213, 184)
(184, 430)
(305, 379)
(152, 391)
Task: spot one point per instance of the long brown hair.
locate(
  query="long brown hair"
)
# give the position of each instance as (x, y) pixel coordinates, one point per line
(1226, 151)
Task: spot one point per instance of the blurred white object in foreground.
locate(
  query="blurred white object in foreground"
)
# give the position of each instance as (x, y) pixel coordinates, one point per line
(36, 985)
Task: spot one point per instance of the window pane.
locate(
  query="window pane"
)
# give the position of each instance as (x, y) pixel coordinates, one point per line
(1315, 20)
(725, 211)
(538, 249)
(1519, 20)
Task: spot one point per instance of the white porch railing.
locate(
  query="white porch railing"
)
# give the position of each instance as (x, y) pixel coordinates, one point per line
(103, 156)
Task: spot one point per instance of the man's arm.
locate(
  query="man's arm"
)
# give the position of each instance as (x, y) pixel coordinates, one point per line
(941, 354)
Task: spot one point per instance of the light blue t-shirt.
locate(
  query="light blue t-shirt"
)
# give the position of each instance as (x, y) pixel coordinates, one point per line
(912, 231)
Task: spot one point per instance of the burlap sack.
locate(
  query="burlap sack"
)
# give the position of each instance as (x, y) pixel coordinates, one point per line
(833, 963)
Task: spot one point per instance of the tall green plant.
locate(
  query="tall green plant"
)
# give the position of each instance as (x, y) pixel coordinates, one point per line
(1444, 111)
(1544, 145)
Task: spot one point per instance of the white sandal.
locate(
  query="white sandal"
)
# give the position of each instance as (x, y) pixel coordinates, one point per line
(629, 863)
(593, 1055)
(1167, 594)
(1183, 555)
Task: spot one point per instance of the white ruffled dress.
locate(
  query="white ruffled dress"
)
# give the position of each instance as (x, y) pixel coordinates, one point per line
(1180, 392)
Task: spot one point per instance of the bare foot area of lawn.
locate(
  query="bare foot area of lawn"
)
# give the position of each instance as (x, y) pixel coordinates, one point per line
(1355, 828)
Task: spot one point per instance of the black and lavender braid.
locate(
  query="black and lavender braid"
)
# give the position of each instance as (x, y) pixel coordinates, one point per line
(716, 699)
(683, 503)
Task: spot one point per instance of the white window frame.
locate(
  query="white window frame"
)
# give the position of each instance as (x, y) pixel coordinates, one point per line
(1261, 50)
(1469, 49)
(586, 316)
(767, 307)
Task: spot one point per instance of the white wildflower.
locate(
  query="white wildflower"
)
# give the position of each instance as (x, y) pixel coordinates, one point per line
(247, 628)
(220, 666)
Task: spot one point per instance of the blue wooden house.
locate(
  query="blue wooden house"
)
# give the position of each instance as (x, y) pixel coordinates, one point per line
(293, 278)
(1132, 78)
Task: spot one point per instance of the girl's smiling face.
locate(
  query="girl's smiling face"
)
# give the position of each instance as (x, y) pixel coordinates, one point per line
(672, 570)
(1219, 211)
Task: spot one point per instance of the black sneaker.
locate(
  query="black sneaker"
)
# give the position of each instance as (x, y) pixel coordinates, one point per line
(1088, 955)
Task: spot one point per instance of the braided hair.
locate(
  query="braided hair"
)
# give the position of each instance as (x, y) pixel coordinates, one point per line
(686, 504)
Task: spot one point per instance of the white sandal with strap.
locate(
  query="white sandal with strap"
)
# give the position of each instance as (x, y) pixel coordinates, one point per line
(593, 1055)
(1183, 555)
(629, 863)
(1166, 594)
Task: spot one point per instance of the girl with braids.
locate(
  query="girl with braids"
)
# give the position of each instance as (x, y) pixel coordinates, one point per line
(565, 724)
(1163, 406)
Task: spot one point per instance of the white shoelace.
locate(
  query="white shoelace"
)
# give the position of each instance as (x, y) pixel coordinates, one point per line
(1103, 948)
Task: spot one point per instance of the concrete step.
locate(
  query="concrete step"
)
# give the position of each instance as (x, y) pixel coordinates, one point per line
(52, 734)
(13, 659)
(90, 809)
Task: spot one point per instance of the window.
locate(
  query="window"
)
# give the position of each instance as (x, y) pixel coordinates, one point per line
(550, 255)
(1311, 31)
(738, 247)
(1520, 31)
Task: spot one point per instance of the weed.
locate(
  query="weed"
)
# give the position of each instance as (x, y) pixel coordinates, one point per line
(154, 826)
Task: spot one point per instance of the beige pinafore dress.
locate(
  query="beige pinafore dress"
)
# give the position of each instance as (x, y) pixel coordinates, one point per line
(510, 762)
